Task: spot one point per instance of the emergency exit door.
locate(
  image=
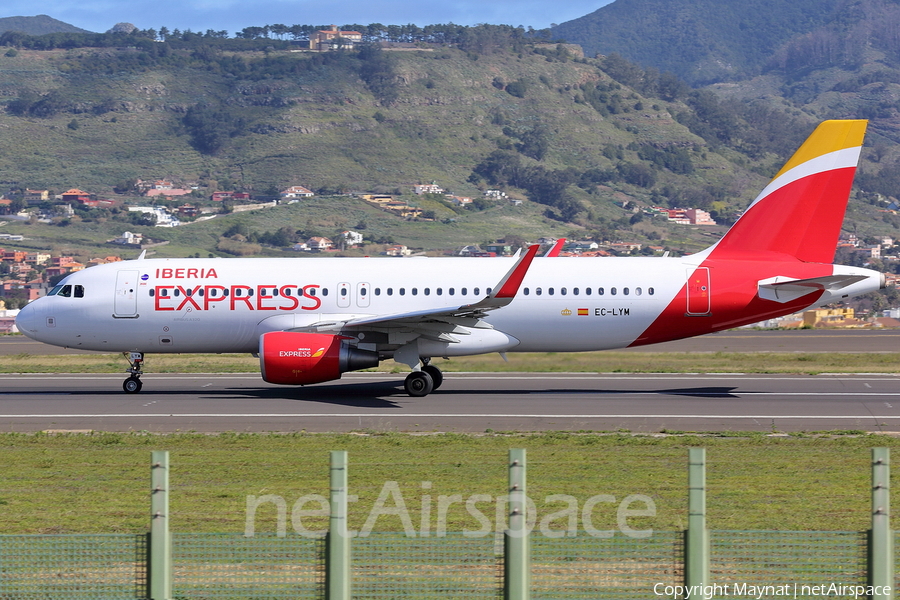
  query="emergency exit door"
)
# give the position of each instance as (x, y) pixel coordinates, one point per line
(698, 292)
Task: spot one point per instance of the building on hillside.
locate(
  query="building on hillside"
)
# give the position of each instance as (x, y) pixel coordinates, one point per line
(37, 258)
(162, 215)
(129, 239)
(827, 316)
(333, 39)
(36, 196)
(699, 217)
(429, 188)
(499, 249)
(869, 252)
(221, 196)
(320, 244)
(76, 196)
(351, 238)
(461, 201)
(397, 250)
(295, 191)
(14, 256)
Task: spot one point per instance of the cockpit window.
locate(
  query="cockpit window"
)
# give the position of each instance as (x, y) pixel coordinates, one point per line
(79, 291)
(65, 291)
(55, 290)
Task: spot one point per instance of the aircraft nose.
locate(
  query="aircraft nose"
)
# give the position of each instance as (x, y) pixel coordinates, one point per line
(28, 319)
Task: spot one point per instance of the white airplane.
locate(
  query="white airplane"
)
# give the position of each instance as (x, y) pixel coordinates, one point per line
(310, 320)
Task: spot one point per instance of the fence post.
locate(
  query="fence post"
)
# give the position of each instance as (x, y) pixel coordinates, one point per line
(337, 553)
(696, 555)
(160, 541)
(516, 547)
(881, 538)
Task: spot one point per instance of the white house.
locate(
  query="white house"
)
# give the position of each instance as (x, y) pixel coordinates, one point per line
(295, 191)
(351, 238)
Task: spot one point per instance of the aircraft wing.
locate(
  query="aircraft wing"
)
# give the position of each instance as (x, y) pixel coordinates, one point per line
(785, 289)
(439, 323)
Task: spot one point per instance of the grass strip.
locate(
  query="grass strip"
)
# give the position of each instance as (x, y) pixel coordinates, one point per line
(99, 482)
(810, 363)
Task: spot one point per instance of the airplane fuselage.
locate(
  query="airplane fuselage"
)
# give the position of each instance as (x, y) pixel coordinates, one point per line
(564, 304)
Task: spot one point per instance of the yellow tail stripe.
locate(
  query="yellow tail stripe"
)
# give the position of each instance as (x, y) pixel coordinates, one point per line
(829, 136)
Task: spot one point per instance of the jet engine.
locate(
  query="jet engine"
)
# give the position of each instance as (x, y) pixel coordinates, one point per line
(293, 358)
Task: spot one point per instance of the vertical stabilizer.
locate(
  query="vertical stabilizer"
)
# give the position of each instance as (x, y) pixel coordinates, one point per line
(801, 211)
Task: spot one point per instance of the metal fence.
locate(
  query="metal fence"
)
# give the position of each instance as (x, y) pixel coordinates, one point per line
(165, 565)
(614, 567)
(224, 566)
(391, 565)
(787, 558)
(45, 567)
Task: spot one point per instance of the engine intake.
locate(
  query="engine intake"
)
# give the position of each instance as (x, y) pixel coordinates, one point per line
(292, 358)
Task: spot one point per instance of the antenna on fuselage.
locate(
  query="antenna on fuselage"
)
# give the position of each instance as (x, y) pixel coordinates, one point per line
(142, 255)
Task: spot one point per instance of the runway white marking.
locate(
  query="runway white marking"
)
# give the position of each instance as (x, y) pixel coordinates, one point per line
(442, 415)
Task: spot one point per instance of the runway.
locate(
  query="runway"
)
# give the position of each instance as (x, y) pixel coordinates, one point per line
(744, 340)
(468, 402)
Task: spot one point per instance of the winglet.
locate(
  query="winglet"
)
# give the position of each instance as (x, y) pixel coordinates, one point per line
(509, 285)
(556, 248)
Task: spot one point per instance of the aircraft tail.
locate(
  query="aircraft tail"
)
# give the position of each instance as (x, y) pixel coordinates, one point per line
(801, 211)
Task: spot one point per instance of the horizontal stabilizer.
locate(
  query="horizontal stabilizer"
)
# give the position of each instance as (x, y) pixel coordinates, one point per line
(784, 289)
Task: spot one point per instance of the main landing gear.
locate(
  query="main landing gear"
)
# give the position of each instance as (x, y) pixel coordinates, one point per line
(133, 384)
(423, 382)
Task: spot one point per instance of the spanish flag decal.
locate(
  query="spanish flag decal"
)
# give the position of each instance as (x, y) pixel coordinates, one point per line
(582, 312)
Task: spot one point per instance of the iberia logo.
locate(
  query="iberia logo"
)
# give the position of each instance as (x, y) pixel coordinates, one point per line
(318, 353)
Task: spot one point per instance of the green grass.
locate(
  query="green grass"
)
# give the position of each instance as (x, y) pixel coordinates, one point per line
(809, 363)
(99, 482)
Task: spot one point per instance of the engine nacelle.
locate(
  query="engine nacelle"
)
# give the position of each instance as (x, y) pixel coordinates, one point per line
(292, 358)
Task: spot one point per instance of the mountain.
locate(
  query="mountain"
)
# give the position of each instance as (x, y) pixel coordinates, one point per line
(590, 145)
(38, 25)
(701, 41)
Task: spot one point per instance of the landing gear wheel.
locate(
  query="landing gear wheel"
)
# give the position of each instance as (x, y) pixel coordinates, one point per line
(132, 385)
(436, 375)
(418, 384)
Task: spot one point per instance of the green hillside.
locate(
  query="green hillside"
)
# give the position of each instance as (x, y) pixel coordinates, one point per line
(38, 25)
(588, 145)
(701, 41)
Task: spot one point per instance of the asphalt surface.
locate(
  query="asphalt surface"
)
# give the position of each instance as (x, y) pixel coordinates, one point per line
(477, 402)
(474, 402)
(805, 340)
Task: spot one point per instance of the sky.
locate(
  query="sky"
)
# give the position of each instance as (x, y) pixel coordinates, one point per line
(234, 15)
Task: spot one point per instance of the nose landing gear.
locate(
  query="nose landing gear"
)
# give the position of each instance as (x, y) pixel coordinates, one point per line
(133, 384)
